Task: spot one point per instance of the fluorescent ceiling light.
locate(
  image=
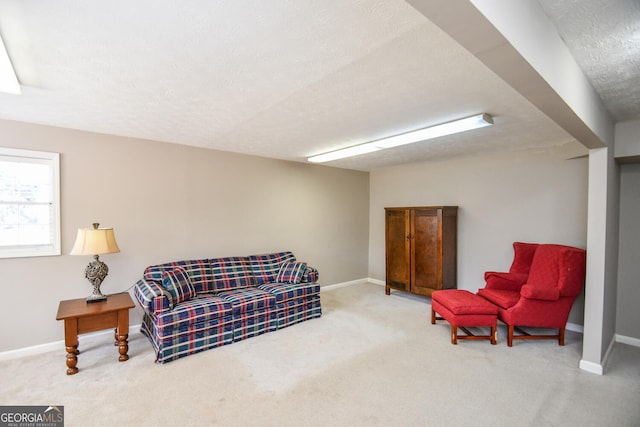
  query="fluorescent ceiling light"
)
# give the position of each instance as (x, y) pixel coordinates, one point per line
(456, 126)
(356, 150)
(8, 80)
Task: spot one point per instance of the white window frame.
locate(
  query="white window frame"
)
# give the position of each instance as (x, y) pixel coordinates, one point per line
(53, 160)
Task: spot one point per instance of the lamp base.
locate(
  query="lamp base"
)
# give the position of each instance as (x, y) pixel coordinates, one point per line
(95, 272)
(96, 298)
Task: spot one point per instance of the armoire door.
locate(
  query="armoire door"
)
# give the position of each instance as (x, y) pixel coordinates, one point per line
(398, 250)
(426, 251)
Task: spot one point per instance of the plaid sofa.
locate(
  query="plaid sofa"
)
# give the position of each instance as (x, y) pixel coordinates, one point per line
(191, 306)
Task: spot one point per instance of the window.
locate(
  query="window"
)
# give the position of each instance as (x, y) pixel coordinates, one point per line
(29, 203)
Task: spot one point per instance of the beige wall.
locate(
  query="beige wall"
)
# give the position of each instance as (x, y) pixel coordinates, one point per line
(168, 202)
(534, 196)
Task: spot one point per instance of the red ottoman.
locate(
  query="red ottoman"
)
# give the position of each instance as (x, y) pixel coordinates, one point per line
(462, 308)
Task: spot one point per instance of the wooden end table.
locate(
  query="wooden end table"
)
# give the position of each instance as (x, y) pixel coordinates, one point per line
(81, 317)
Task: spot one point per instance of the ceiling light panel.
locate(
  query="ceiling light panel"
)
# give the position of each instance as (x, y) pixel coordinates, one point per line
(449, 128)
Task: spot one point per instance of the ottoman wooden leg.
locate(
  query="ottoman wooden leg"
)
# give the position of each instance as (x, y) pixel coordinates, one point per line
(454, 334)
(433, 316)
(494, 335)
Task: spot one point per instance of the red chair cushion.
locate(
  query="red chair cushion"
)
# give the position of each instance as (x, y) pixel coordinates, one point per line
(506, 281)
(500, 297)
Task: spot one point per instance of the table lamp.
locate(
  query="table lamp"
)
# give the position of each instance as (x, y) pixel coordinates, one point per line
(95, 241)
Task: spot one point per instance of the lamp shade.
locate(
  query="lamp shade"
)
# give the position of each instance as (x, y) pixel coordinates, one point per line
(95, 241)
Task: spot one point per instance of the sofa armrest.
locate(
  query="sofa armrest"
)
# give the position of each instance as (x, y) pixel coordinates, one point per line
(505, 281)
(152, 297)
(540, 292)
(310, 275)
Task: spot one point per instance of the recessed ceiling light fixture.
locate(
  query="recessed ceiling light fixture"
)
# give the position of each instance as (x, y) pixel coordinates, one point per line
(456, 126)
(8, 80)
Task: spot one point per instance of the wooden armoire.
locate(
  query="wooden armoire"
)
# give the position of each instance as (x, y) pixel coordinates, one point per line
(421, 248)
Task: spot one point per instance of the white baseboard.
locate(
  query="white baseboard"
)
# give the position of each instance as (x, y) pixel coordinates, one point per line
(33, 350)
(598, 368)
(592, 367)
(342, 285)
(352, 282)
(575, 327)
(56, 345)
(628, 340)
(376, 281)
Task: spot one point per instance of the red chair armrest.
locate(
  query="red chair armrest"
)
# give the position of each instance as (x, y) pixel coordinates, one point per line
(504, 281)
(539, 292)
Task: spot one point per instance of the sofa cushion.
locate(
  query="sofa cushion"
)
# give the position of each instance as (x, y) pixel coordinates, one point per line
(247, 300)
(231, 273)
(177, 283)
(199, 271)
(291, 272)
(290, 291)
(201, 308)
(265, 267)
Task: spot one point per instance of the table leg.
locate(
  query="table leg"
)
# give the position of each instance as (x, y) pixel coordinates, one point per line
(72, 360)
(71, 343)
(123, 334)
(123, 347)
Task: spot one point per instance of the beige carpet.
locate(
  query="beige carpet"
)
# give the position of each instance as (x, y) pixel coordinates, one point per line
(371, 360)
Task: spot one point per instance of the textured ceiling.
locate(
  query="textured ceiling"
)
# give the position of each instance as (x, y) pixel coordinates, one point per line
(604, 38)
(284, 80)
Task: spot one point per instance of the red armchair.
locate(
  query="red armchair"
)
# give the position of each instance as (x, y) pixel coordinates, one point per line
(539, 289)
